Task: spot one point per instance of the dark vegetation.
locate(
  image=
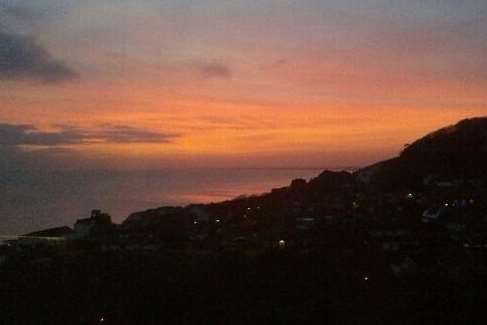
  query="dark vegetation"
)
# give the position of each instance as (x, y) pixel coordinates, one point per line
(400, 242)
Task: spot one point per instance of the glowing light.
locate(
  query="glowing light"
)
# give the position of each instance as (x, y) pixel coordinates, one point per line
(282, 243)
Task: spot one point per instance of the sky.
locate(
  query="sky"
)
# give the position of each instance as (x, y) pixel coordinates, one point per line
(146, 84)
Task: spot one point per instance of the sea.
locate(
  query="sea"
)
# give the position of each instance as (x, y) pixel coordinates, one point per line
(35, 201)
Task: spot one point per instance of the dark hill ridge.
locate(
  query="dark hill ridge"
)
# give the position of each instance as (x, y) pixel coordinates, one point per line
(52, 232)
(457, 152)
(451, 153)
(460, 149)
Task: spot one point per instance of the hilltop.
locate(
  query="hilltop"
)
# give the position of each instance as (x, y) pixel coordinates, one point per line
(457, 152)
(454, 155)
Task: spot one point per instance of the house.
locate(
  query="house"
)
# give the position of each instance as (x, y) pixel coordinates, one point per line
(96, 223)
(306, 223)
(392, 240)
(404, 266)
(199, 213)
(431, 215)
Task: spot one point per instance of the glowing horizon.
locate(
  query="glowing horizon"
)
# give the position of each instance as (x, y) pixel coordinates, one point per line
(145, 84)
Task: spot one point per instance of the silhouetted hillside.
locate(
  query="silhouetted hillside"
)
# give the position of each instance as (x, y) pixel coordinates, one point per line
(399, 242)
(457, 152)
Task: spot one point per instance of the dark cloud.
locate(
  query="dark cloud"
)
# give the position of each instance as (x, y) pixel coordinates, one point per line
(215, 70)
(127, 134)
(21, 57)
(20, 12)
(25, 134)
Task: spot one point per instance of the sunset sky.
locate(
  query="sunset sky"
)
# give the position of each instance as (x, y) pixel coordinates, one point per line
(145, 84)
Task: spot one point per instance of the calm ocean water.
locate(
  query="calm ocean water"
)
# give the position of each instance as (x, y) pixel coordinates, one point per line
(33, 201)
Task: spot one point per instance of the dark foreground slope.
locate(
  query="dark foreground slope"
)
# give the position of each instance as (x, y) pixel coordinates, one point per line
(457, 152)
(400, 242)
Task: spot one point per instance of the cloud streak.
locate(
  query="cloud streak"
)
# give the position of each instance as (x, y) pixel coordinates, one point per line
(21, 57)
(215, 70)
(26, 134)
